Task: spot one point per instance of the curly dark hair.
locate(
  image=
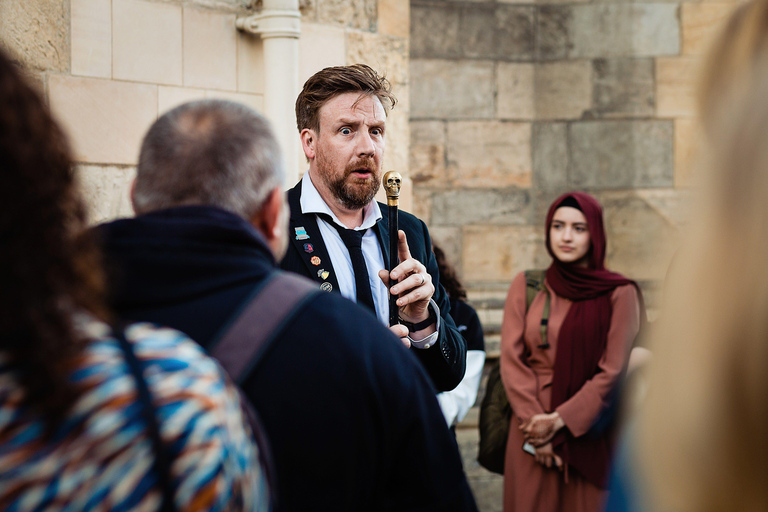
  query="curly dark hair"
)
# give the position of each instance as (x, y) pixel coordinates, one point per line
(448, 277)
(330, 82)
(48, 269)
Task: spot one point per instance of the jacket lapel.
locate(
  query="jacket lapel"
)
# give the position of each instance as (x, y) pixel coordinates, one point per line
(308, 242)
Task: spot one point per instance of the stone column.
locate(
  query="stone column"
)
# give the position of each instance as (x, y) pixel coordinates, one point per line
(279, 25)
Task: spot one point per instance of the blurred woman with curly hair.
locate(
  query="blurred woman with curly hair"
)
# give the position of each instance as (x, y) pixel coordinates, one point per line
(95, 418)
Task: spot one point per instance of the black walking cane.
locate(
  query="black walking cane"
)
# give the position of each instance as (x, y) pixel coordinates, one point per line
(392, 181)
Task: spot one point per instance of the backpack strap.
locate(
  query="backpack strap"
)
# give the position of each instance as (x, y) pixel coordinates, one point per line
(534, 282)
(263, 317)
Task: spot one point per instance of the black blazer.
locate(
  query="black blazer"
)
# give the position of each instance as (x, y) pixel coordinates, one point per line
(445, 361)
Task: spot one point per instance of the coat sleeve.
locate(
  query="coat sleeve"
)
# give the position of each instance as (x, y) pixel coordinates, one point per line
(520, 381)
(446, 360)
(581, 410)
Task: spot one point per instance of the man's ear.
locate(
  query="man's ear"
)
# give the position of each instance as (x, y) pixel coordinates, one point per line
(268, 220)
(308, 143)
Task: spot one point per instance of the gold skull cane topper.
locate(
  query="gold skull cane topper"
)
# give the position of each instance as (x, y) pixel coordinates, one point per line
(392, 182)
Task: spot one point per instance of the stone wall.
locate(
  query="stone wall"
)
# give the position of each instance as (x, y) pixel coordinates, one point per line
(514, 103)
(110, 67)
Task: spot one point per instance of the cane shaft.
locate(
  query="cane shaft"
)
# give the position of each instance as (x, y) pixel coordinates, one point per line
(393, 262)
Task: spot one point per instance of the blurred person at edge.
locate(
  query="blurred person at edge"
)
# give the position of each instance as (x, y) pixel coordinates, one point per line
(456, 403)
(72, 432)
(702, 435)
(559, 390)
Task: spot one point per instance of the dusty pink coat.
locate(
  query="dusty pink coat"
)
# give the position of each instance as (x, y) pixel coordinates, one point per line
(526, 371)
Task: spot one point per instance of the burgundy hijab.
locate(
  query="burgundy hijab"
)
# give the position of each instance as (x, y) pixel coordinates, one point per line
(583, 335)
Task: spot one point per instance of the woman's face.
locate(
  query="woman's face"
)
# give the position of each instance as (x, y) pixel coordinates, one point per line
(569, 236)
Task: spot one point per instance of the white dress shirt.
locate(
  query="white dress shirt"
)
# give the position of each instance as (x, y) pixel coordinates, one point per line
(312, 202)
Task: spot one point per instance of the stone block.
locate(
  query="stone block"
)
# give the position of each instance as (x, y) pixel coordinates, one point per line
(623, 87)
(497, 207)
(452, 89)
(147, 42)
(515, 32)
(621, 154)
(360, 14)
(320, 46)
(701, 22)
(37, 33)
(385, 54)
(625, 30)
(490, 154)
(308, 10)
(554, 26)
(673, 205)
(449, 239)
(250, 62)
(398, 141)
(562, 90)
(255, 101)
(394, 18)
(422, 204)
(105, 120)
(477, 37)
(169, 97)
(106, 191)
(550, 156)
(435, 31)
(676, 86)
(641, 241)
(210, 49)
(686, 142)
(498, 253)
(515, 91)
(428, 153)
(91, 32)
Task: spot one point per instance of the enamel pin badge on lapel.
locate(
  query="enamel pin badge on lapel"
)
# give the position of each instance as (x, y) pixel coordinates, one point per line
(308, 248)
(323, 274)
(315, 260)
(301, 233)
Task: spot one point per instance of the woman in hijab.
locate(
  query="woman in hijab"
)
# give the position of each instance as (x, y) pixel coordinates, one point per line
(561, 359)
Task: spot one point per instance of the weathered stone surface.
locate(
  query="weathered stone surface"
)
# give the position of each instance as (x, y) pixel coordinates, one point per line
(250, 62)
(36, 32)
(91, 33)
(386, 54)
(477, 34)
(497, 207)
(394, 17)
(435, 31)
(615, 154)
(104, 119)
(701, 22)
(308, 9)
(244, 7)
(452, 90)
(489, 154)
(147, 42)
(422, 204)
(210, 49)
(515, 91)
(641, 241)
(449, 239)
(553, 32)
(634, 29)
(674, 205)
(359, 14)
(562, 90)
(676, 86)
(498, 253)
(623, 87)
(398, 141)
(169, 97)
(686, 140)
(428, 153)
(106, 191)
(550, 155)
(515, 27)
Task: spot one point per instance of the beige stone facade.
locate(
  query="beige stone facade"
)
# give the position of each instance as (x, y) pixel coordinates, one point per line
(503, 105)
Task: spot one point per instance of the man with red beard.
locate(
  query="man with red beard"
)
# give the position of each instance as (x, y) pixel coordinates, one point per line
(340, 234)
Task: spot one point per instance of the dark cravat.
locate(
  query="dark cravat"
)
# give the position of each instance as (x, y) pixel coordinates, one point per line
(354, 240)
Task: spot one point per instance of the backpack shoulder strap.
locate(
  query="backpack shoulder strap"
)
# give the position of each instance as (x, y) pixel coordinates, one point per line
(262, 318)
(534, 282)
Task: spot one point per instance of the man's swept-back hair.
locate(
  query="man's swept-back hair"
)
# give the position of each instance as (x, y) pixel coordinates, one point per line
(208, 152)
(330, 82)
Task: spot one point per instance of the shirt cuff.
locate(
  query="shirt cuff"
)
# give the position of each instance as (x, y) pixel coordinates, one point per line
(431, 339)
